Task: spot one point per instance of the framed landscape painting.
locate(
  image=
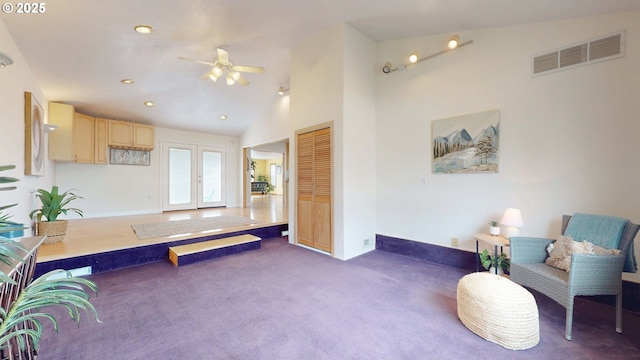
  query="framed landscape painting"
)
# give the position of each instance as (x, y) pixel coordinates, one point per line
(466, 143)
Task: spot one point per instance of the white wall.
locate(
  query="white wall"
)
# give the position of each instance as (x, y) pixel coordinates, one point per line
(14, 81)
(316, 98)
(114, 190)
(358, 146)
(332, 81)
(568, 141)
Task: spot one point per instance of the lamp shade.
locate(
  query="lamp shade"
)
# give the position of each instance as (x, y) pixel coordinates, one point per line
(512, 217)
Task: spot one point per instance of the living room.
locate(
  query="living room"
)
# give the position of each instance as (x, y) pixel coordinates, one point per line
(568, 139)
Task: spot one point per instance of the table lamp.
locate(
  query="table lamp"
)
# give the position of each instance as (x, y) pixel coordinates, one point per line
(512, 219)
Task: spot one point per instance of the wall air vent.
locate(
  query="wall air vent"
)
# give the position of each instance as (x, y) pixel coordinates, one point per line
(595, 50)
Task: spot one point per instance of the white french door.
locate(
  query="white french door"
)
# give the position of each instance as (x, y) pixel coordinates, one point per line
(194, 176)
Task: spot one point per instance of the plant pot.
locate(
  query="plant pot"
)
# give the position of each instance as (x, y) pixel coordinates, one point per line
(53, 230)
(492, 270)
(494, 230)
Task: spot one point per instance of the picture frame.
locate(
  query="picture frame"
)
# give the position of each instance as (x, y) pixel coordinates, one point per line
(34, 143)
(129, 157)
(466, 144)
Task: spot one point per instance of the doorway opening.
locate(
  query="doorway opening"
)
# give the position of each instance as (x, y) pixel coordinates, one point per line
(266, 173)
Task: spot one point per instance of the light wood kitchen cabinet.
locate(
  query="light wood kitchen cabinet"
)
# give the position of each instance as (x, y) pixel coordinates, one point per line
(143, 136)
(101, 152)
(74, 139)
(126, 134)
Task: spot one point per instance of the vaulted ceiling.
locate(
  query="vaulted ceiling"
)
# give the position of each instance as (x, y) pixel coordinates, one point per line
(79, 50)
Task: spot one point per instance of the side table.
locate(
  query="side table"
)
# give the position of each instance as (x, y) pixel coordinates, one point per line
(495, 240)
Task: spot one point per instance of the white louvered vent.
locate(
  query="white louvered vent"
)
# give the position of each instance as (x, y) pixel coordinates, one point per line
(574, 55)
(546, 62)
(595, 50)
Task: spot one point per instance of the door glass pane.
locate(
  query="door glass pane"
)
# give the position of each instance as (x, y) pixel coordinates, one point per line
(179, 176)
(211, 177)
(273, 178)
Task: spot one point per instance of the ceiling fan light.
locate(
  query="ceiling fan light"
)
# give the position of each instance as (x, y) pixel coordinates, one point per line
(230, 80)
(235, 75)
(453, 43)
(217, 71)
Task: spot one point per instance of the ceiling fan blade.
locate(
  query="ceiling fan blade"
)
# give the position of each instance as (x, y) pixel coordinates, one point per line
(242, 81)
(198, 61)
(223, 56)
(249, 69)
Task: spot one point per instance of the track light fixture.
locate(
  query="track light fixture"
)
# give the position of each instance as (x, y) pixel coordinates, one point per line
(414, 57)
(453, 43)
(5, 61)
(282, 90)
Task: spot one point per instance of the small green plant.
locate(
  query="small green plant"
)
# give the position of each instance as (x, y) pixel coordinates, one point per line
(487, 260)
(54, 204)
(493, 223)
(269, 188)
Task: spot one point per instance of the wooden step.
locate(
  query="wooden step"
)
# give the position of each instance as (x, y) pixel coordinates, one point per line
(188, 254)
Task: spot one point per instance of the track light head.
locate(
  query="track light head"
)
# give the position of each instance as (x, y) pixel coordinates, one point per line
(5, 60)
(414, 57)
(453, 42)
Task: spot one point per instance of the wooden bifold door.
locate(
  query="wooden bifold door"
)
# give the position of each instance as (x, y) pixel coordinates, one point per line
(314, 189)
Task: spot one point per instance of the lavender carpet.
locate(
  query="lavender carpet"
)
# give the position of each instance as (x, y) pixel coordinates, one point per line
(286, 302)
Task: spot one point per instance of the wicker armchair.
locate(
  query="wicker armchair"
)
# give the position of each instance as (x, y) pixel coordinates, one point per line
(588, 275)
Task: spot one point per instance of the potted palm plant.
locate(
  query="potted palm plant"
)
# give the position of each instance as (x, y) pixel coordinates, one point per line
(23, 302)
(53, 204)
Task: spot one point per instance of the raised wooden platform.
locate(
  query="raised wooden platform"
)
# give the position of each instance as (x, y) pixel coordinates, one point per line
(204, 250)
(109, 243)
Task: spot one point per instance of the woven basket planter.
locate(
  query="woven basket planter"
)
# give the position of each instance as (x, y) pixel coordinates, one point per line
(53, 230)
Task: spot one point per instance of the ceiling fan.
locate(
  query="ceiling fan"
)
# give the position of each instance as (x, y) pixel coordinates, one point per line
(222, 66)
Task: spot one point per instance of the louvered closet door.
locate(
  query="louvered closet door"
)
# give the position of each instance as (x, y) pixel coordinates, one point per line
(305, 189)
(314, 189)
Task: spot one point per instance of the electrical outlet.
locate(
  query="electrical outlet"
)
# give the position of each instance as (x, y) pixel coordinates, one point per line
(454, 242)
(366, 242)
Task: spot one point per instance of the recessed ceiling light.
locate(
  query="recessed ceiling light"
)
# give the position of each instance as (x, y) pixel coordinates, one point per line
(223, 117)
(127, 81)
(143, 29)
(149, 103)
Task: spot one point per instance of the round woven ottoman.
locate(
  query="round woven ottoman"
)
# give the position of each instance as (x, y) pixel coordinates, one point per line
(498, 310)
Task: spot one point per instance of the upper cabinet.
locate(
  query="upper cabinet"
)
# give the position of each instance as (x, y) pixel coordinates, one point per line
(74, 139)
(124, 134)
(101, 132)
(85, 139)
